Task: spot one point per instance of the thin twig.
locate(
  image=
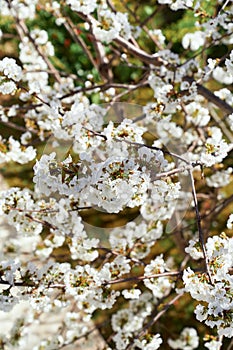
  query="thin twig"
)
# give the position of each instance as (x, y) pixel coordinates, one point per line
(45, 211)
(174, 171)
(165, 308)
(154, 318)
(85, 335)
(200, 232)
(69, 25)
(216, 210)
(22, 28)
(142, 278)
(43, 222)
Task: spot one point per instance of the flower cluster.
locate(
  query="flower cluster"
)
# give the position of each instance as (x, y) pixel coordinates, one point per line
(86, 6)
(33, 61)
(111, 25)
(161, 286)
(21, 9)
(215, 294)
(14, 151)
(10, 73)
(128, 321)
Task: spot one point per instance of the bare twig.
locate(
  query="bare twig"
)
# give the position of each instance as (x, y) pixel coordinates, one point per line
(85, 335)
(142, 278)
(69, 25)
(42, 222)
(22, 29)
(154, 318)
(45, 211)
(200, 232)
(174, 171)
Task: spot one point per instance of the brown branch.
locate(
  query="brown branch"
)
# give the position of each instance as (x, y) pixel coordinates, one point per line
(17, 127)
(103, 63)
(211, 97)
(139, 53)
(113, 252)
(158, 315)
(85, 335)
(135, 51)
(221, 123)
(157, 61)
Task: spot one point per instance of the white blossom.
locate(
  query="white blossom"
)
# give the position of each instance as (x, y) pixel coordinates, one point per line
(131, 294)
(110, 159)
(157, 33)
(194, 249)
(222, 76)
(111, 25)
(229, 64)
(10, 69)
(213, 344)
(153, 344)
(23, 9)
(193, 40)
(188, 340)
(230, 119)
(178, 4)
(160, 286)
(230, 222)
(217, 297)
(10, 73)
(220, 178)
(86, 6)
(197, 114)
(20, 154)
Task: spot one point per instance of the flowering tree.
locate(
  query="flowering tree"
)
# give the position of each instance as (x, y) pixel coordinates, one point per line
(124, 111)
